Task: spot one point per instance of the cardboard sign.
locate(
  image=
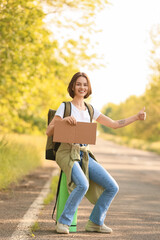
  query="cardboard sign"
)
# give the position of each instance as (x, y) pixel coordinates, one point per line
(82, 132)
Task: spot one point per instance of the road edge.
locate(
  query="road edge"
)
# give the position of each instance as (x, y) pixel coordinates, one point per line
(23, 228)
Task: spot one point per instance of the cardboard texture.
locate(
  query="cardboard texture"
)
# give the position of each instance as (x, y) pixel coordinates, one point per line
(82, 132)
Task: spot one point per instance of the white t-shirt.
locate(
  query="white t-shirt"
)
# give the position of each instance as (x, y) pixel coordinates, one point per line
(79, 115)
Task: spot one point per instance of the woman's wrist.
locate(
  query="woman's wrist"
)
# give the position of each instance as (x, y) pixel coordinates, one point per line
(136, 117)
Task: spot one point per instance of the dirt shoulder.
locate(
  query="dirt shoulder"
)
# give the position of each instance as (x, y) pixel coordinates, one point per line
(15, 201)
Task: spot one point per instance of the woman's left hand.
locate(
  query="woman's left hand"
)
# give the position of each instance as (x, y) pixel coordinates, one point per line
(141, 115)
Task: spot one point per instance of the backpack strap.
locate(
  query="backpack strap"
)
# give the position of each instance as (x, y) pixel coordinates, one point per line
(67, 109)
(90, 110)
(58, 187)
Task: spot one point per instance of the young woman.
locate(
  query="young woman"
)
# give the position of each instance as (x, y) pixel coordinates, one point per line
(83, 169)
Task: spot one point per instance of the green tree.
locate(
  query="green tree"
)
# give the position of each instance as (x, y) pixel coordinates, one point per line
(35, 65)
(152, 94)
(74, 24)
(109, 111)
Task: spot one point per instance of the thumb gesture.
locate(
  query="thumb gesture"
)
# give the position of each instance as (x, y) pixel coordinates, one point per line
(142, 114)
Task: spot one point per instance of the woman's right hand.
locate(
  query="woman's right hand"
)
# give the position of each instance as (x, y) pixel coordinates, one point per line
(71, 120)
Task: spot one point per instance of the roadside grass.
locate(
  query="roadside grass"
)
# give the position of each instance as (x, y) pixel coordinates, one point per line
(134, 143)
(35, 227)
(53, 188)
(19, 154)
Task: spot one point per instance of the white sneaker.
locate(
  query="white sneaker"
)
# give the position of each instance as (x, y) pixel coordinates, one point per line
(62, 228)
(92, 227)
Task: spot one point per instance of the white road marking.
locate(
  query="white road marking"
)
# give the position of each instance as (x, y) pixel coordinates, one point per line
(22, 231)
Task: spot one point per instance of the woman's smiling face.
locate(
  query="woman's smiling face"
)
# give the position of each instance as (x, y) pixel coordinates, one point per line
(81, 87)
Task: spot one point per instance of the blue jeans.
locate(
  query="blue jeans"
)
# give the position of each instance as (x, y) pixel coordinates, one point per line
(99, 175)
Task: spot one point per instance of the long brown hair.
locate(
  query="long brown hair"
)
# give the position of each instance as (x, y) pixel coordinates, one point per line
(73, 81)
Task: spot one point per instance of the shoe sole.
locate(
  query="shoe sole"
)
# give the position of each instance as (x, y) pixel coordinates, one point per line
(62, 232)
(99, 231)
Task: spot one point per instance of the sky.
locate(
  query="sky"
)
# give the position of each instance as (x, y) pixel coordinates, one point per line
(125, 44)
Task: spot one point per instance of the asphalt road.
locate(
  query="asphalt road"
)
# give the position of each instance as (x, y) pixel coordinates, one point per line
(134, 214)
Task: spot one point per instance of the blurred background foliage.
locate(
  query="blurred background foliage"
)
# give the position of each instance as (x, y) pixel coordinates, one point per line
(149, 131)
(36, 63)
(39, 54)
